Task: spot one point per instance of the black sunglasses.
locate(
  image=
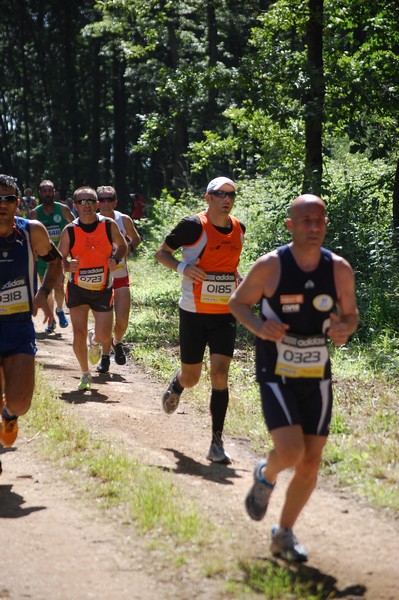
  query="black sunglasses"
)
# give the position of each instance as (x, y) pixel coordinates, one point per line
(86, 201)
(223, 194)
(107, 199)
(9, 199)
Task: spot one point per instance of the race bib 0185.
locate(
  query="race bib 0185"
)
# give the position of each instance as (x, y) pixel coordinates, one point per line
(217, 288)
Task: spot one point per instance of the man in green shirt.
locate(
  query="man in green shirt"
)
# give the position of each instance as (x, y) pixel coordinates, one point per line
(54, 217)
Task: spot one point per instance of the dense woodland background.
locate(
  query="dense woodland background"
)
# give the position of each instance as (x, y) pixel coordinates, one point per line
(159, 96)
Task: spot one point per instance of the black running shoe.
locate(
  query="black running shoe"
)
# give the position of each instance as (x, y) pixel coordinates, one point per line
(103, 367)
(120, 356)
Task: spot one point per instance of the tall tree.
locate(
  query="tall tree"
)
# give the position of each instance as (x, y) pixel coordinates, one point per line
(119, 138)
(314, 99)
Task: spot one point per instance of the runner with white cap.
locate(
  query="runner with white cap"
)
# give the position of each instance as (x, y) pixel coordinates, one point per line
(211, 243)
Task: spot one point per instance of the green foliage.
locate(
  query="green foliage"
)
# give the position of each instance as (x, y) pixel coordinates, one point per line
(167, 212)
(262, 206)
(150, 95)
(213, 149)
(358, 192)
(361, 65)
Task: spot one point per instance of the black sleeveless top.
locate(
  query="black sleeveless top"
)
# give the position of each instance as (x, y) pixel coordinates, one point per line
(302, 300)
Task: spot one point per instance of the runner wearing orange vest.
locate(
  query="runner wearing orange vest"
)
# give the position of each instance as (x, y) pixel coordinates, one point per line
(92, 247)
(211, 244)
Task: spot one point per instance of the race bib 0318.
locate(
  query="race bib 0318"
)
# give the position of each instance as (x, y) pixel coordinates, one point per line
(14, 297)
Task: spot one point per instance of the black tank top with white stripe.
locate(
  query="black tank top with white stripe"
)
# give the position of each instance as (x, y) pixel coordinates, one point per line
(302, 300)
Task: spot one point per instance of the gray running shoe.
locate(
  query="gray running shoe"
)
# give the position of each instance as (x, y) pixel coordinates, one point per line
(94, 349)
(171, 398)
(285, 545)
(217, 453)
(258, 496)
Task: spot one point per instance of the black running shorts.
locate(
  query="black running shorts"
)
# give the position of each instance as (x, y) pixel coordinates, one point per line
(305, 402)
(197, 330)
(102, 301)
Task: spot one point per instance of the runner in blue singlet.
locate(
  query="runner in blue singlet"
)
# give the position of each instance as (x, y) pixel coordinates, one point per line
(21, 242)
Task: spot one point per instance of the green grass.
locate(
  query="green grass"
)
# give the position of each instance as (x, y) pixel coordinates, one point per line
(268, 579)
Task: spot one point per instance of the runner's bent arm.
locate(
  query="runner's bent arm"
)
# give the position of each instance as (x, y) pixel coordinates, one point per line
(261, 281)
(42, 246)
(164, 255)
(64, 248)
(119, 246)
(33, 214)
(67, 213)
(131, 232)
(346, 322)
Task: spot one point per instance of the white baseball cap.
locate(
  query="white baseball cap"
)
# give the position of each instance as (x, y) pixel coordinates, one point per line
(217, 183)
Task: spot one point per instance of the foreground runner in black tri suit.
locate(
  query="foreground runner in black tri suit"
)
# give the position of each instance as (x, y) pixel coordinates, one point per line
(299, 287)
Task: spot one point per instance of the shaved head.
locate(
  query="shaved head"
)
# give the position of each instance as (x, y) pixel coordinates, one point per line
(305, 201)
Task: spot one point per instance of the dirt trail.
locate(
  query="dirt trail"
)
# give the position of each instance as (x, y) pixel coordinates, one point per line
(56, 546)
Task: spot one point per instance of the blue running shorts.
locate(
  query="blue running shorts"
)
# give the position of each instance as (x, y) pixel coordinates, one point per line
(17, 337)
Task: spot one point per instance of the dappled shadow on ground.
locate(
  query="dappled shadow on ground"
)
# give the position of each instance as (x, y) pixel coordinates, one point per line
(42, 335)
(257, 574)
(216, 472)
(83, 396)
(6, 450)
(52, 367)
(3, 451)
(107, 377)
(11, 504)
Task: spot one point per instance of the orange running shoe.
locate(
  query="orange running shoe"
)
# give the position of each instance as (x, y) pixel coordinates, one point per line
(8, 428)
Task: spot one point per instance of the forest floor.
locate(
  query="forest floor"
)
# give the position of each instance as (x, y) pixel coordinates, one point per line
(57, 545)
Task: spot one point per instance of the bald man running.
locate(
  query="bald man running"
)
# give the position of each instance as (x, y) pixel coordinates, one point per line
(306, 294)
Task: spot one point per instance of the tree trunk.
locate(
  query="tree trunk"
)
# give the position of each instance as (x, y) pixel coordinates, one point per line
(26, 174)
(95, 121)
(119, 141)
(72, 151)
(6, 162)
(179, 145)
(395, 206)
(314, 108)
(211, 106)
